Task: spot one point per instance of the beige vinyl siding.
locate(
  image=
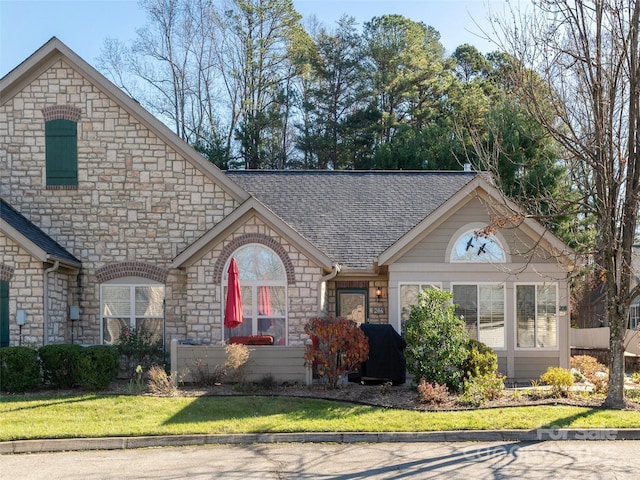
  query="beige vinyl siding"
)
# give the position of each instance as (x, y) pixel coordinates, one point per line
(284, 364)
(433, 248)
(502, 365)
(531, 367)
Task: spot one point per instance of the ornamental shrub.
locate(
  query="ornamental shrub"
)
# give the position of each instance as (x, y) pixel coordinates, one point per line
(19, 369)
(339, 347)
(436, 340)
(139, 347)
(432, 394)
(482, 388)
(98, 366)
(595, 372)
(60, 364)
(560, 380)
(482, 360)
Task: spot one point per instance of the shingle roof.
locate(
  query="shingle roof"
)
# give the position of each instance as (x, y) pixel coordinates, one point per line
(352, 216)
(20, 223)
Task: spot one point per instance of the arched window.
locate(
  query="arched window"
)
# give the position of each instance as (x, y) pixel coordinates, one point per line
(477, 248)
(263, 286)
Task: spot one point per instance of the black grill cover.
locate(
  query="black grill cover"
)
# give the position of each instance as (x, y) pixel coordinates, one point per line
(386, 360)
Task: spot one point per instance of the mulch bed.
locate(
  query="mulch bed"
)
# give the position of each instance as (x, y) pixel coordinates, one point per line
(390, 396)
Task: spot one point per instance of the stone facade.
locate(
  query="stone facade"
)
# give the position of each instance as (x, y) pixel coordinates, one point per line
(138, 204)
(205, 304)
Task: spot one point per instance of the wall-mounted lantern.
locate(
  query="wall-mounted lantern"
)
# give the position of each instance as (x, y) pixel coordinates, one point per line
(21, 319)
(379, 293)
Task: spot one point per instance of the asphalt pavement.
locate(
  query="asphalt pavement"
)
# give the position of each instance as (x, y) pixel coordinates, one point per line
(563, 460)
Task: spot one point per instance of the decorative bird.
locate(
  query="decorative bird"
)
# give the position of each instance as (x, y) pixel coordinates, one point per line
(482, 249)
(469, 244)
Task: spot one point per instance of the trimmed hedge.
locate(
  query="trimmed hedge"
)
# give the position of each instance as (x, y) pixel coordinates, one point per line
(98, 366)
(60, 364)
(19, 369)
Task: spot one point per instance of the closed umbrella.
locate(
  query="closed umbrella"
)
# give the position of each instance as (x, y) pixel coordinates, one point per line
(233, 309)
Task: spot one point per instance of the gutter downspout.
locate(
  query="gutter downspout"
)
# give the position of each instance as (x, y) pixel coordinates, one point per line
(45, 336)
(322, 286)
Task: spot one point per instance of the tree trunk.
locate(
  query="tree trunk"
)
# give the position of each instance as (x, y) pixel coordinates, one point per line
(617, 325)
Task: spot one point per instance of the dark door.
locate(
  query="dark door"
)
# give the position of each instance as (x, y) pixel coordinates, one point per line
(4, 314)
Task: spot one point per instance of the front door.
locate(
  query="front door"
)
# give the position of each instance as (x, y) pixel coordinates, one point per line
(353, 304)
(4, 313)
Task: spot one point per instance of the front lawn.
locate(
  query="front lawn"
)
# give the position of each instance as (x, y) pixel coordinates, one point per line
(29, 417)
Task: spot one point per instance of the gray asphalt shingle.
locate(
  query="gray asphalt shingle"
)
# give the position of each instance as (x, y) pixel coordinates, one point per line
(352, 216)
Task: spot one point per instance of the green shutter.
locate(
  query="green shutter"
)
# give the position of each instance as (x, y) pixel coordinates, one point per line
(62, 152)
(4, 314)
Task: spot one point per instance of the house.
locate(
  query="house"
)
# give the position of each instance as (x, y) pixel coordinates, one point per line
(109, 220)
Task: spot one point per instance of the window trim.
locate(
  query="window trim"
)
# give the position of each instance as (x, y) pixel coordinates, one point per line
(132, 283)
(515, 316)
(421, 286)
(255, 290)
(504, 309)
(473, 227)
(635, 319)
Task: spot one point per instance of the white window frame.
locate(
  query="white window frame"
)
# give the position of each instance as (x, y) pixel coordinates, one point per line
(492, 239)
(421, 286)
(535, 330)
(634, 315)
(132, 283)
(504, 308)
(254, 316)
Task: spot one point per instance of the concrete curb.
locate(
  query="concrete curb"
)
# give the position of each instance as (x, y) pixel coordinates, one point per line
(122, 443)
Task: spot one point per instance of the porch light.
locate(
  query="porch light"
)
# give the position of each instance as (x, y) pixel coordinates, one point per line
(379, 293)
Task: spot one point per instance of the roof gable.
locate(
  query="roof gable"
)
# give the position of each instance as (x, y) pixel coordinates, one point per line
(501, 205)
(17, 227)
(54, 50)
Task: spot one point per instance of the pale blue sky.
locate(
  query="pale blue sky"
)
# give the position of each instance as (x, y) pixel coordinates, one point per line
(82, 25)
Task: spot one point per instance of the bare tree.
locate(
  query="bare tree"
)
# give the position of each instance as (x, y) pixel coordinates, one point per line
(171, 67)
(586, 54)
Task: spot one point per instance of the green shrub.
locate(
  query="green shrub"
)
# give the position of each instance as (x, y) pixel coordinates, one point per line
(560, 380)
(60, 364)
(98, 366)
(482, 360)
(482, 388)
(635, 378)
(139, 347)
(19, 369)
(436, 340)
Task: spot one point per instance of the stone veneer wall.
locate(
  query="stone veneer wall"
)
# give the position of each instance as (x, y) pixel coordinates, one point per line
(137, 199)
(26, 291)
(204, 305)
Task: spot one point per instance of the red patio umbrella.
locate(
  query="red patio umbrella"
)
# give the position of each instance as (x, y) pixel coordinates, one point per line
(233, 309)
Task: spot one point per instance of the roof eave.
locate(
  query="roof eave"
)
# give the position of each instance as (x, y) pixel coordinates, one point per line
(33, 249)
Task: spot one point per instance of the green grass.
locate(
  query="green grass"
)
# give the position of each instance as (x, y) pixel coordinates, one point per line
(24, 417)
